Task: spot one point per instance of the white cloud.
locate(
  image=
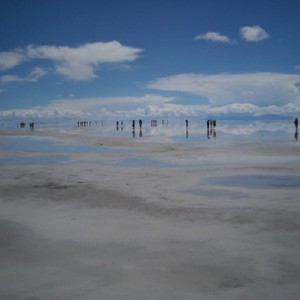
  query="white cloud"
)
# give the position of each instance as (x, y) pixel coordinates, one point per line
(9, 60)
(96, 108)
(81, 63)
(253, 110)
(110, 103)
(214, 37)
(31, 77)
(259, 89)
(253, 33)
(139, 107)
(78, 63)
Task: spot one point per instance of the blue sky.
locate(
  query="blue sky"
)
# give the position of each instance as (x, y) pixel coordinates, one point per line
(119, 58)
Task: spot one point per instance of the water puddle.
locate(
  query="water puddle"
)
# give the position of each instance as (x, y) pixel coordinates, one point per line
(42, 150)
(145, 161)
(41, 144)
(257, 181)
(215, 193)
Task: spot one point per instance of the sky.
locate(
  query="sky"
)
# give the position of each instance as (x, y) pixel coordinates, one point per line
(130, 58)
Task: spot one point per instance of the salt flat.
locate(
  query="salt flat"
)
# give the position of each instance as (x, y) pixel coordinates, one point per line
(123, 218)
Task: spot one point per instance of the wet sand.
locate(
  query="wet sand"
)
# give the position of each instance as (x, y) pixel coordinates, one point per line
(138, 220)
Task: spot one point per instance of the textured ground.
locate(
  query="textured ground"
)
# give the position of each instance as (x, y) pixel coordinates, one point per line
(150, 221)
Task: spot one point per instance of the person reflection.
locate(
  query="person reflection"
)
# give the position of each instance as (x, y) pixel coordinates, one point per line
(296, 134)
(140, 133)
(133, 133)
(186, 133)
(211, 133)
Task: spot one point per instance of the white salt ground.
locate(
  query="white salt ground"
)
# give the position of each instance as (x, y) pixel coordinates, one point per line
(91, 227)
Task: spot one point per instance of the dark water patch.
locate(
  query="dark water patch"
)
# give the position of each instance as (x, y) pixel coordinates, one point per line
(145, 161)
(215, 193)
(257, 181)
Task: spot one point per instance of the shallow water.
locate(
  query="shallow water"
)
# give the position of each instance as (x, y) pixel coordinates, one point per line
(175, 131)
(214, 193)
(166, 131)
(41, 144)
(49, 150)
(146, 161)
(257, 181)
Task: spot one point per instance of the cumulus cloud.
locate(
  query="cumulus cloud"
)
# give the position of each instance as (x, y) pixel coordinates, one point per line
(110, 103)
(97, 107)
(214, 37)
(260, 89)
(78, 63)
(147, 105)
(253, 33)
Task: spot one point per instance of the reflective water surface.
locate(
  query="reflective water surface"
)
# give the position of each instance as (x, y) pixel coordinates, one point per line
(193, 133)
(257, 181)
(175, 131)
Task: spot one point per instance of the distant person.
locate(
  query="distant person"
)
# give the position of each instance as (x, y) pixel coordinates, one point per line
(186, 123)
(140, 123)
(296, 123)
(214, 123)
(133, 124)
(207, 124)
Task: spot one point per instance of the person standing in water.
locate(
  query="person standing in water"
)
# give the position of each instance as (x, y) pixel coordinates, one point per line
(296, 123)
